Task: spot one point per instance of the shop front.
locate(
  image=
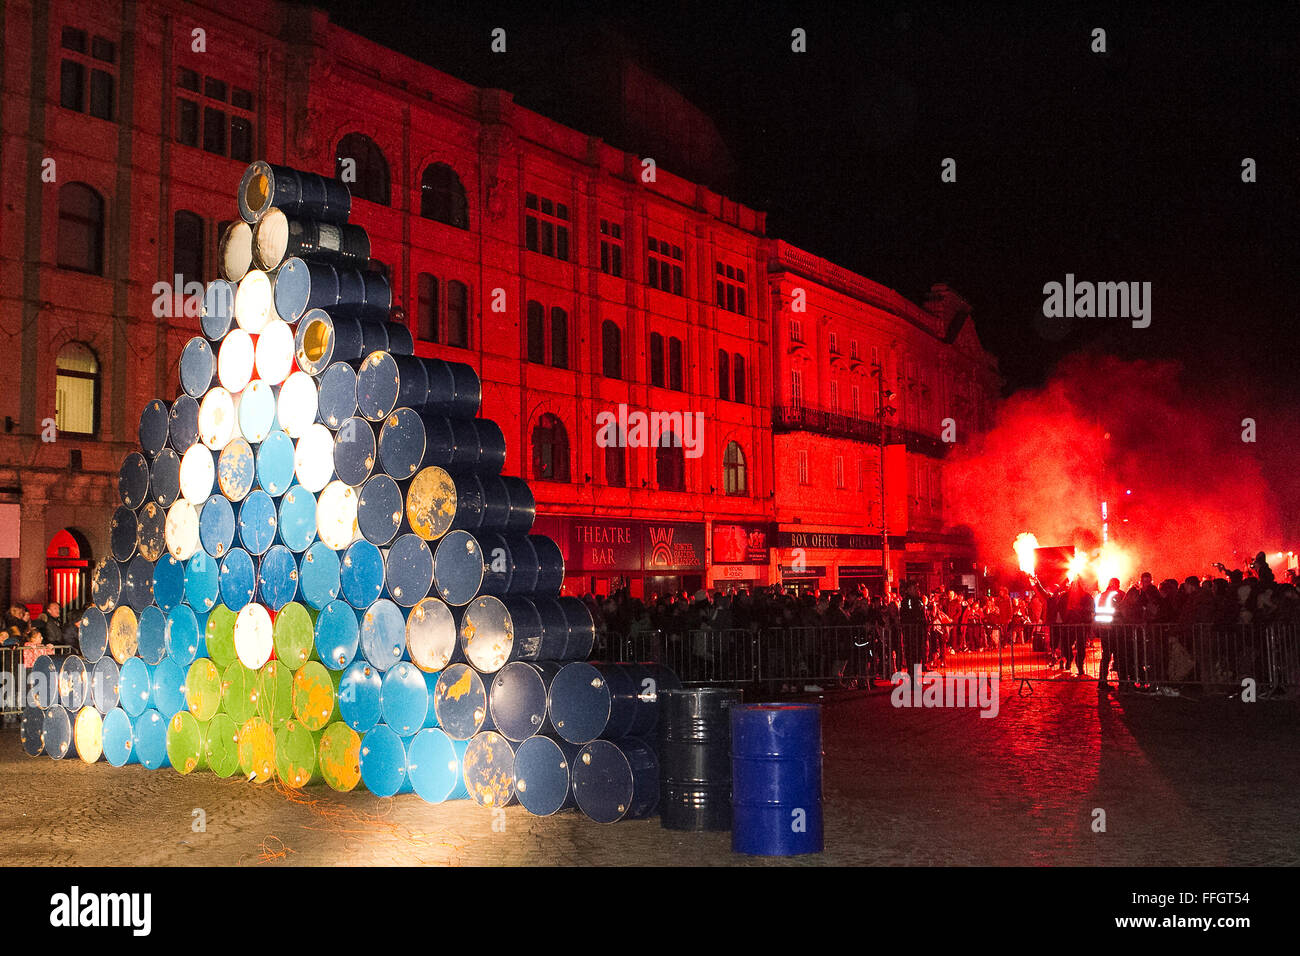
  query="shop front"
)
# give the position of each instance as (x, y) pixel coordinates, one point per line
(741, 555)
(830, 560)
(650, 558)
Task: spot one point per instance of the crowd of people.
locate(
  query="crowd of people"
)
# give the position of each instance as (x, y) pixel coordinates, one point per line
(21, 629)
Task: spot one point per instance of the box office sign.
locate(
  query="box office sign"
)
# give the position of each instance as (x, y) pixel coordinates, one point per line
(597, 544)
(735, 543)
(835, 541)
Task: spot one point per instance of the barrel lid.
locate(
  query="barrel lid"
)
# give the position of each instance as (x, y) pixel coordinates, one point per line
(458, 567)
(217, 526)
(151, 642)
(383, 761)
(198, 366)
(337, 394)
(259, 522)
(257, 750)
(361, 574)
(165, 478)
(383, 634)
(122, 534)
(254, 305)
(379, 509)
(183, 424)
(460, 701)
(221, 745)
(355, 450)
(273, 354)
(202, 581)
(235, 360)
(340, 756)
(275, 463)
(218, 311)
(297, 406)
(92, 633)
(359, 695)
(315, 695)
(408, 570)
(185, 742)
(151, 522)
(133, 480)
(319, 575)
(238, 579)
(297, 520)
(203, 689)
(235, 251)
(489, 768)
(338, 634)
(153, 427)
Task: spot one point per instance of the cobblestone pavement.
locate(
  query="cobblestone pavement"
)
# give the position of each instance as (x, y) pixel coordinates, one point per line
(1181, 783)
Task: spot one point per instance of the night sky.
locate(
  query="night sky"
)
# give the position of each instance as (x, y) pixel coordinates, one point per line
(1117, 167)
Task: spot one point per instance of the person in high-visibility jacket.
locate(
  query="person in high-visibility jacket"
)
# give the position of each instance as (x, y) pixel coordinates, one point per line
(1105, 615)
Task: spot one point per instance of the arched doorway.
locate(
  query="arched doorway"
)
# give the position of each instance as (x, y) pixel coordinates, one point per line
(67, 571)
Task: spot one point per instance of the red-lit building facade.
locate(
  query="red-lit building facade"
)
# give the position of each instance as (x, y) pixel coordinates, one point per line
(540, 255)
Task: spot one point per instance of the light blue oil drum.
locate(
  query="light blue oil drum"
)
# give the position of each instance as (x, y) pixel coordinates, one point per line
(165, 478)
(616, 780)
(776, 779)
(92, 634)
(360, 692)
(168, 582)
(319, 575)
(43, 681)
(460, 700)
(119, 738)
(544, 774)
(185, 635)
(135, 687)
(218, 309)
(258, 522)
(433, 764)
(169, 688)
(151, 740)
(31, 731)
(277, 578)
(104, 684)
(236, 469)
(238, 579)
(183, 425)
(338, 635)
(255, 408)
(361, 574)
(217, 526)
(137, 584)
(383, 762)
(202, 582)
(298, 518)
(198, 366)
(338, 395)
(151, 636)
(406, 699)
(383, 634)
(57, 733)
(74, 683)
(275, 463)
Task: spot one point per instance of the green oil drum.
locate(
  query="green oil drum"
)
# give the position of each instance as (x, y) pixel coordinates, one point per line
(203, 690)
(185, 744)
(221, 745)
(295, 753)
(294, 634)
(275, 693)
(220, 636)
(239, 692)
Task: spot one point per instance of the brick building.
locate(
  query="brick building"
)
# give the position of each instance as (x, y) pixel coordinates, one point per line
(534, 252)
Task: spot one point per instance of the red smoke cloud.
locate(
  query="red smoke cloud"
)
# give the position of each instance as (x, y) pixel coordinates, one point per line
(1103, 427)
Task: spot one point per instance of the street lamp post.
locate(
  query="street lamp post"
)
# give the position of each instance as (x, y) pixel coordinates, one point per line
(882, 411)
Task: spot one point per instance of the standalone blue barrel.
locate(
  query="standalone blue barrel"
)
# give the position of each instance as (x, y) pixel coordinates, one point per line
(218, 309)
(104, 684)
(259, 522)
(123, 532)
(460, 699)
(776, 769)
(185, 635)
(616, 780)
(238, 579)
(360, 693)
(277, 578)
(489, 770)
(275, 463)
(355, 449)
(43, 681)
(198, 366)
(298, 518)
(408, 570)
(383, 762)
(74, 683)
(217, 526)
(361, 574)
(165, 478)
(168, 582)
(519, 695)
(406, 699)
(152, 636)
(318, 577)
(119, 738)
(202, 582)
(544, 775)
(458, 568)
(338, 395)
(137, 584)
(151, 740)
(338, 635)
(57, 733)
(433, 763)
(135, 686)
(380, 512)
(383, 634)
(183, 425)
(169, 688)
(92, 634)
(133, 480)
(236, 469)
(31, 731)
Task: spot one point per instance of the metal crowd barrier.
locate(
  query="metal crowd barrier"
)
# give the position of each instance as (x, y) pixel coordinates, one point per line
(15, 667)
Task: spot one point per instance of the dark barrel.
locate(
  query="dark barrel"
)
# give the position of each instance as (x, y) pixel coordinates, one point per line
(326, 338)
(616, 780)
(438, 501)
(137, 584)
(495, 631)
(294, 192)
(153, 426)
(695, 758)
(151, 522)
(544, 775)
(106, 585)
(198, 366)
(31, 731)
(133, 480)
(123, 531)
(521, 565)
(165, 476)
(608, 700)
(92, 634)
(104, 684)
(183, 424)
(458, 568)
(410, 440)
(379, 510)
(518, 698)
(489, 767)
(776, 771)
(278, 236)
(337, 399)
(460, 701)
(571, 618)
(301, 286)
(58, 733)
(386, 381)
(408, 570)
(74, 683)
(355, 450)
(218, 312)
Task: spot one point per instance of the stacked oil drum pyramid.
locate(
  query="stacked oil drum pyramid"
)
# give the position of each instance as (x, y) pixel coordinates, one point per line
(318, 571)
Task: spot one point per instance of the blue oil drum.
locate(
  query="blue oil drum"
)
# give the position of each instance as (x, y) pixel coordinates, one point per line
(361, 574)
(571, 619)
(386, 381)
(360, 693)
(218, 309)
(277, 578)
(458, 568)
(198, 367)
(106, 585)
(293, 192)
(380, 511)
(31, 731)
(616, 780)
(588, 701)
(202, 583)
(319, 575)
(460, 701)
(338, 395)
(92, 634)
(151, 740)
(355, 449)
(410, 440)
(123, 533)
(489, 770)
(169, 688)
(495, 631)
(238, 579)
(258, 522)
(776, 770)
(454, 389)
(519, 695)
(153, 427)
(338, 635)
(275, 463)
(137, 584)
(406, 699)
(236, 469)
(56, 731)
(165, 478)
(544, 774)
(119, 738)
(383, 762)
(550, 565)
(301, 286)
(135, 686)
(104, 684)
(255, 408)
(74, 683)
(217, 526)
(383, 634)
(185, 635)
(183, 424)
(43, 681)
(168, 582)
(408, 570)
(298, 518)
(150, 532)
(151, 636)
(433, 763)
(133, 480)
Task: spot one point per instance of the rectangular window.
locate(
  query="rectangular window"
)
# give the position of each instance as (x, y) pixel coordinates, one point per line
(536, 333)
(862, 476)
(656, 359)
(664, 266)
(187, 122)
(546, 227)
(835, 343)
(839, 471)
(729, 288)
(457, 314)
(675, 364)
(803, 468)
(214, 131)
(225, 112)
(796, 388)
(835, 398)
(559, 338)
(796, 330)
(857, 407)
(611, 248)
(853, 349)
(87, 74)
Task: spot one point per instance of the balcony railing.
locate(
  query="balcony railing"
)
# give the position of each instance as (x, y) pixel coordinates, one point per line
(806, 418)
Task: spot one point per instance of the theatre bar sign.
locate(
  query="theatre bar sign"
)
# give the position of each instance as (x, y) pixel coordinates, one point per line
(649, 546)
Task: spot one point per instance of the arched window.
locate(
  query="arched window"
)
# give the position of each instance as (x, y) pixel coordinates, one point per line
(670, 463)
(76, 391)
(738, 367)
(724, 375)
(457, 314)
(360, 164)
(550, 449)
(536, 333)
(559, 337)
(616, 463)
(187, 246)
(442, 197)
(81, 229)
(611, 349)
(733, 470)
